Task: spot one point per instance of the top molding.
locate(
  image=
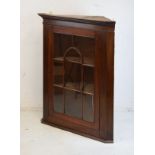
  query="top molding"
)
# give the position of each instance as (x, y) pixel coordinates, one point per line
(95, 20)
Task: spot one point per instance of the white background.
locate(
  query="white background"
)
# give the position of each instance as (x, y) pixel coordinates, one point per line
(31, 44)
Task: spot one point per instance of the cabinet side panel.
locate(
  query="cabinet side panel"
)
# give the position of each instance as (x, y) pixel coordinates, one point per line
(110, 83)
(46, 70)
(106, 43)
(45, 90)
(101, 67)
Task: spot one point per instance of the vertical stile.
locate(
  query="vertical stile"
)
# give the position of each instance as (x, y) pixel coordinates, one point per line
(82, 81)
(72, 40)
(63, 76)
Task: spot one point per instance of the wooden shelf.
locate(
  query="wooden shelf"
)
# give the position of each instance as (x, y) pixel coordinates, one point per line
(88, 89)
(58, 59)
(87, 61)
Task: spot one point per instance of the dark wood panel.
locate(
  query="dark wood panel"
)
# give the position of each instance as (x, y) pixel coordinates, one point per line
(74, 126)
(96, 20)
(73, 31)
(78, 25)
(45, 72)
(110, 83)
(106, 48)
(101, 77)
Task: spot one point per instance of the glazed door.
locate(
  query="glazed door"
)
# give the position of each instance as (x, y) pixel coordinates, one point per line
(74, 92)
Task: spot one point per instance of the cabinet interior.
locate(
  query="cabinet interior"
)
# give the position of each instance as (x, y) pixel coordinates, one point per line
(73, 66)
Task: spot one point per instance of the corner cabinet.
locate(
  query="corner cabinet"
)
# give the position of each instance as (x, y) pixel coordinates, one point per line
(78, 71)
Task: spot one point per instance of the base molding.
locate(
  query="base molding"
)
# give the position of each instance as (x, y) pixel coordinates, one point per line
(76, 132)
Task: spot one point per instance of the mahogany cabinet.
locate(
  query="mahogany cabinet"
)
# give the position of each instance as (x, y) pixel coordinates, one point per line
(78, 74)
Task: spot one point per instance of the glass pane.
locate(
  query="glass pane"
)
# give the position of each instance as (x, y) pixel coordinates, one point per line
(87, 46)
(88, 80)
(88, 108)
(58, 100)
(58, 73)
(73, 55)
(61, 43)
(73, 104)
(73, 76)
(74, 67)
